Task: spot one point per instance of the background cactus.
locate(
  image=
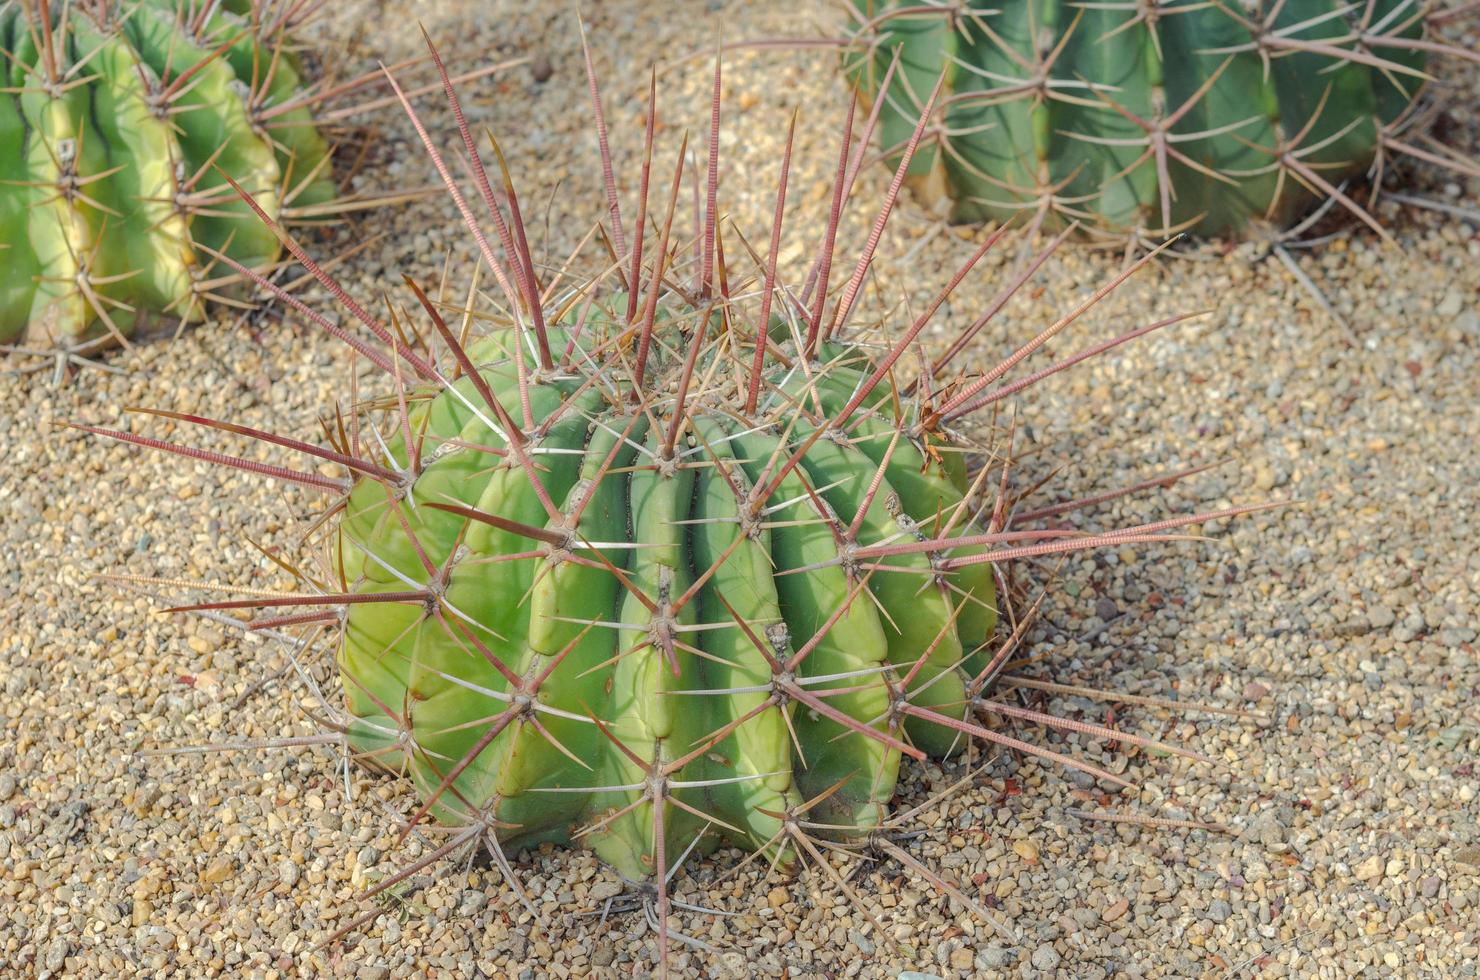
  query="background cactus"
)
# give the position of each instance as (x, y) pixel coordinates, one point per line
(1152, 117)
(666, 562)
(113, 120)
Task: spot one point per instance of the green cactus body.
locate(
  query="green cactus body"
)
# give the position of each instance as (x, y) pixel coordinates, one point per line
(622, 665)
(114, 123)
(606, 570)
(1141, 117)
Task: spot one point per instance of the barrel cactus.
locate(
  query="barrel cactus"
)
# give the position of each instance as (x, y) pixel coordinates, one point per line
(665, 562)
(114, 120)
(1152, 116)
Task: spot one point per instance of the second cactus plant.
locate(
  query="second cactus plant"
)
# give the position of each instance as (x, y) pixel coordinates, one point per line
(116, 121)
(1152, 116)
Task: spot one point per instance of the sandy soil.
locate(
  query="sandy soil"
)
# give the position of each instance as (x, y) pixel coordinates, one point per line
(1348, 621)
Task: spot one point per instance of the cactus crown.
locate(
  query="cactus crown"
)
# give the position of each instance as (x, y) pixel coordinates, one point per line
(1152, 117)
(669, 556)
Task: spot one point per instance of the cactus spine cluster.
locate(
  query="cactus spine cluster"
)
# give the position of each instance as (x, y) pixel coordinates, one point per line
(1152, 116)
(114, 121)
(668, 557)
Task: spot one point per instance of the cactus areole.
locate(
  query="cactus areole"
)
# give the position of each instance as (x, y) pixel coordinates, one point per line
(672, 555)
(1151, 116)
(116, 121)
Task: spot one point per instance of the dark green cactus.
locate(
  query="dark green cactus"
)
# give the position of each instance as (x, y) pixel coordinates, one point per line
(114, 118)
(1148, 117)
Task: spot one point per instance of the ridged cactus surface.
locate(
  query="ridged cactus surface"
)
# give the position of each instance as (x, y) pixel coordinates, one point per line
(1154, 117)
(676, 577)
(114, 121)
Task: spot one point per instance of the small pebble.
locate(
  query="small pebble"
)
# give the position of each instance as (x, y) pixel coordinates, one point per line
(1045, 958)
(221, 868)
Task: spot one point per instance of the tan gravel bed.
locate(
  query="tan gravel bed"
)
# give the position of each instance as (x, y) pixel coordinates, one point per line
(1349, 619)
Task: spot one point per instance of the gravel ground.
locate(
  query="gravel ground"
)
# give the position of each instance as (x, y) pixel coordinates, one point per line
(1347, 622)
